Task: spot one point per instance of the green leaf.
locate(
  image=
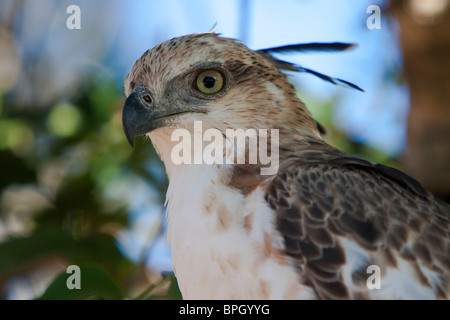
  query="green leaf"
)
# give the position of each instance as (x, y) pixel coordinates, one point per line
(95, 283)
(18, 253)
(173, 293)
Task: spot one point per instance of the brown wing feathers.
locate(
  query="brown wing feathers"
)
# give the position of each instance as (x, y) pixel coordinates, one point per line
(379, 208)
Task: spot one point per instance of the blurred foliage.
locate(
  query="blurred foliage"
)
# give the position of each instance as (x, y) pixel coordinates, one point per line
(323, 113)
(95, 284)
(58, 205)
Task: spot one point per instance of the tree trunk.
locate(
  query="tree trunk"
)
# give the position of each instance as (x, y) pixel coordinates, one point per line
(425, 41)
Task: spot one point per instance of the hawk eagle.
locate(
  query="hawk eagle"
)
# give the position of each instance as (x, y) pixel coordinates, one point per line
(325, 225)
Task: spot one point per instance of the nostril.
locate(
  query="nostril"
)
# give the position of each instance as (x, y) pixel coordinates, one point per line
(147, 98)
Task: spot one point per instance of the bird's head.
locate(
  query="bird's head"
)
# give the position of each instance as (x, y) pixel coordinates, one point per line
(215, 80)
(222, 84)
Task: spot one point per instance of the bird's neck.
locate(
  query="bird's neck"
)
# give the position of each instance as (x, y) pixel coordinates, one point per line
(277, 152)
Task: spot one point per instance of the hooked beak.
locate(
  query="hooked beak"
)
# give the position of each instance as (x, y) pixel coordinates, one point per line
(142, 115)
(139, 115)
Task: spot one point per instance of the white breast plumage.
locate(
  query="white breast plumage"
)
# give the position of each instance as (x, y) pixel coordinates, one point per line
(224, 245)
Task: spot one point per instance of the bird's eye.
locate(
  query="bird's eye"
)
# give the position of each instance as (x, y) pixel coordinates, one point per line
(147, 98)
(210, 81)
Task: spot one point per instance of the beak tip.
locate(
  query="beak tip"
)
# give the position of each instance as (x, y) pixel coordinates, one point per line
(137, 119)
(130, 139)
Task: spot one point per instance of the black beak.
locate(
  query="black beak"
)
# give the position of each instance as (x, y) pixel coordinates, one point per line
(138, 117)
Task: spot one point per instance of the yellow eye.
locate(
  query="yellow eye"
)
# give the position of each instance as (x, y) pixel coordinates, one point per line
(210, 81)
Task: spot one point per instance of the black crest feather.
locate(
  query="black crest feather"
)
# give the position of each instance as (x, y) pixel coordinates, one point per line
(308, 47)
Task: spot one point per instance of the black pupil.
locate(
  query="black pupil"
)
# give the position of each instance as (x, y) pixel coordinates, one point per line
(209, 82)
